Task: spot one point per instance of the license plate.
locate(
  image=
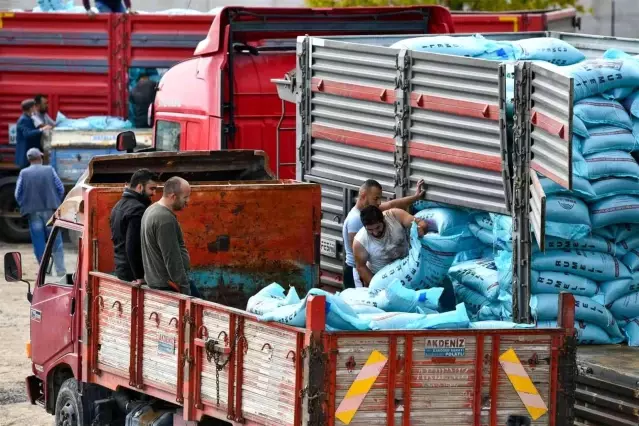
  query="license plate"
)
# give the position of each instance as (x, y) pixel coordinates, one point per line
(328, 248)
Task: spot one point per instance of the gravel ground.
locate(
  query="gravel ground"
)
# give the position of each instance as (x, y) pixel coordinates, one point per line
(14, 332)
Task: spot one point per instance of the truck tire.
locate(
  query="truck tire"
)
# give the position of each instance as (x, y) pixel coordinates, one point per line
(13, 230)
(68, 405)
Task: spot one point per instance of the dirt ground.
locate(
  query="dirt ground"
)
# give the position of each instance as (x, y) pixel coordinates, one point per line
(14, 333)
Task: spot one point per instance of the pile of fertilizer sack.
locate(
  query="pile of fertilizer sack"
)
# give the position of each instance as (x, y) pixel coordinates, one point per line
(592, 244)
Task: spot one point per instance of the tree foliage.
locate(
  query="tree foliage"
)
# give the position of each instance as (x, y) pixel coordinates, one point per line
(468, 5)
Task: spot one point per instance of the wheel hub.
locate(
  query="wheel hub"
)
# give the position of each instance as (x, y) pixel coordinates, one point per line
(68, 416)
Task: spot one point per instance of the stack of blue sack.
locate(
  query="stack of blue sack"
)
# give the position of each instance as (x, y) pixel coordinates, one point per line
(91, 123)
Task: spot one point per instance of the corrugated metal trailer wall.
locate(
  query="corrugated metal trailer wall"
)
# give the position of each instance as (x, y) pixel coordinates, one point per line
(368, 111)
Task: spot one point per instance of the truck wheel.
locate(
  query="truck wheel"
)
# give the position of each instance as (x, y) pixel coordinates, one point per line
(15, 230)
(68, 405)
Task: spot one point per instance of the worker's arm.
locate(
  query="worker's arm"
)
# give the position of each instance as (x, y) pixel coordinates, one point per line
(405, 203)
(133, 245)
(127, 4)
(87, 5)
(58, 185)
(361, 257)
(172, 255)
(19, 190)
(407, 221)
(48, 120)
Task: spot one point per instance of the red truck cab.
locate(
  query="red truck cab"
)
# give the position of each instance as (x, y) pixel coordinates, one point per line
(223, 97)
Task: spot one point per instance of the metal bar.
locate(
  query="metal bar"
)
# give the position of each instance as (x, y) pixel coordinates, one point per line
(239, 377)
(197, 356)
(140, 343)
(230, 398)
(408, 373)
(95, 338)
(135, 314)
(299, 379)
(181, 358)
(385, 95)
(494, 380)
(331, 344)
(479, 367)
(554, 371)
(392, 377)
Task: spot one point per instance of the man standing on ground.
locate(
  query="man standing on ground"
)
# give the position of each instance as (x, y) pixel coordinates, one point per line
(41, 117)
(370, 194)
(382, 240)
(39, 192)
(142, 96)
(126, 225)
(27, 134)
(164, 255)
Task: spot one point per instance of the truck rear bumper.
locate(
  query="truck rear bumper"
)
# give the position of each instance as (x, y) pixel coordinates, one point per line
(34, 390)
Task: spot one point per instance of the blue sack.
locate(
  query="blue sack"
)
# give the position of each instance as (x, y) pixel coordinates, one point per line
(545, 307)
(596, 266)
(579, 127)
(482, 234)
(546, 282)
(618, 94)
(470, 46)
(445, 221)
(615, 210)
(611, 164)
(595, 76)
(420, 205)
(457, 319)
(611, 291)
(608, 187)
(626, 307)
(593, 242)
(607, 138)
(362, 296)
(402, 299)
(484, 220)
(567, 217)
(631, 104)
(439, 252)
(631, 260)
(598, 111)
(547, 49)
(580, 187)
(479, 275)
(498, 325)
(504, 263)
(619, 233)
(587, 334)
(630, 329)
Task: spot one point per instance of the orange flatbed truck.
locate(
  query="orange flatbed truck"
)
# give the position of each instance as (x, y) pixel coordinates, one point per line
(106, 352)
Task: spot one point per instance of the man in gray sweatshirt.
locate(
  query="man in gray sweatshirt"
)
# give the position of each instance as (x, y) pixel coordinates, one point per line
(164, 255)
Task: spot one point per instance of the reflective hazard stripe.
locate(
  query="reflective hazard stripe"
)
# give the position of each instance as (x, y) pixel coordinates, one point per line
(360, 387)
(523, 385)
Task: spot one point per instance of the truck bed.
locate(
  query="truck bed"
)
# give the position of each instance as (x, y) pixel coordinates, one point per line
(607, 385)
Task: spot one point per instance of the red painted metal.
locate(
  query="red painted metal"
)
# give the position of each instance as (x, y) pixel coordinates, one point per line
(299, 378)
(408, 375)
(455, 156)
(139, 381)
(455, 106)
(479, 372)
(549, 174)
(239, 375)
(392, 381)
(494, 379)
(330, 342)
(549, 124)
(182, 356)
(354, 91)
(554, 371)
(349, 137)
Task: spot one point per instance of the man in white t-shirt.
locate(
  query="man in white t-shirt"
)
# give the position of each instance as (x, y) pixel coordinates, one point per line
(370, 194)
(382, 240)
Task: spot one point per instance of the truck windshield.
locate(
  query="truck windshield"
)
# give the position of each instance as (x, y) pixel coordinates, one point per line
(167, 135)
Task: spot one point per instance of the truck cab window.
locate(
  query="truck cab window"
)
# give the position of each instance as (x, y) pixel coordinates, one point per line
(61, 257)
(167, 135)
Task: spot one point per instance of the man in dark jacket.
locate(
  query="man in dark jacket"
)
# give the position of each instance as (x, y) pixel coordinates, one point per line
(126, 218)
(27, 135)
(142, 96)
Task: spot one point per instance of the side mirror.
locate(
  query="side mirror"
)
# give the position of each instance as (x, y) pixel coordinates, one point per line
(13, 267)
(126, 141)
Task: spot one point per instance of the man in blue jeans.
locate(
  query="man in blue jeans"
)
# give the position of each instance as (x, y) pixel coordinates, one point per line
(39, 192)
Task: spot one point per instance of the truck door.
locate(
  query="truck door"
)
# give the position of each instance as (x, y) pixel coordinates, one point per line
(54, 304)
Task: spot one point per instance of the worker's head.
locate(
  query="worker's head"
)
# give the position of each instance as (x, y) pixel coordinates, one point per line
(370, 194)
(176, 193)
(42, 103)
(28, 106)
(373, 220)
(143, 77)
(34, 155)
(144, 182)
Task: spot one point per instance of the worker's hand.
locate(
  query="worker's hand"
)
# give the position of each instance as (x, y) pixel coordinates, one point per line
(90, 14)
(422, 227)
(47, 127)
(139, 282)
(131, 12)
(421, 189)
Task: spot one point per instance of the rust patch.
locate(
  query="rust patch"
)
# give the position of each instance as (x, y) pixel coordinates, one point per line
(222, 243)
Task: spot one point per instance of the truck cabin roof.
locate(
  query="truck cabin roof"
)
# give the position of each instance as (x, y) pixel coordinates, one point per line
(197, 167)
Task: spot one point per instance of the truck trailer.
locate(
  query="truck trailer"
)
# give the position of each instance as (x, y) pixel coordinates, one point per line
(105, 351)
